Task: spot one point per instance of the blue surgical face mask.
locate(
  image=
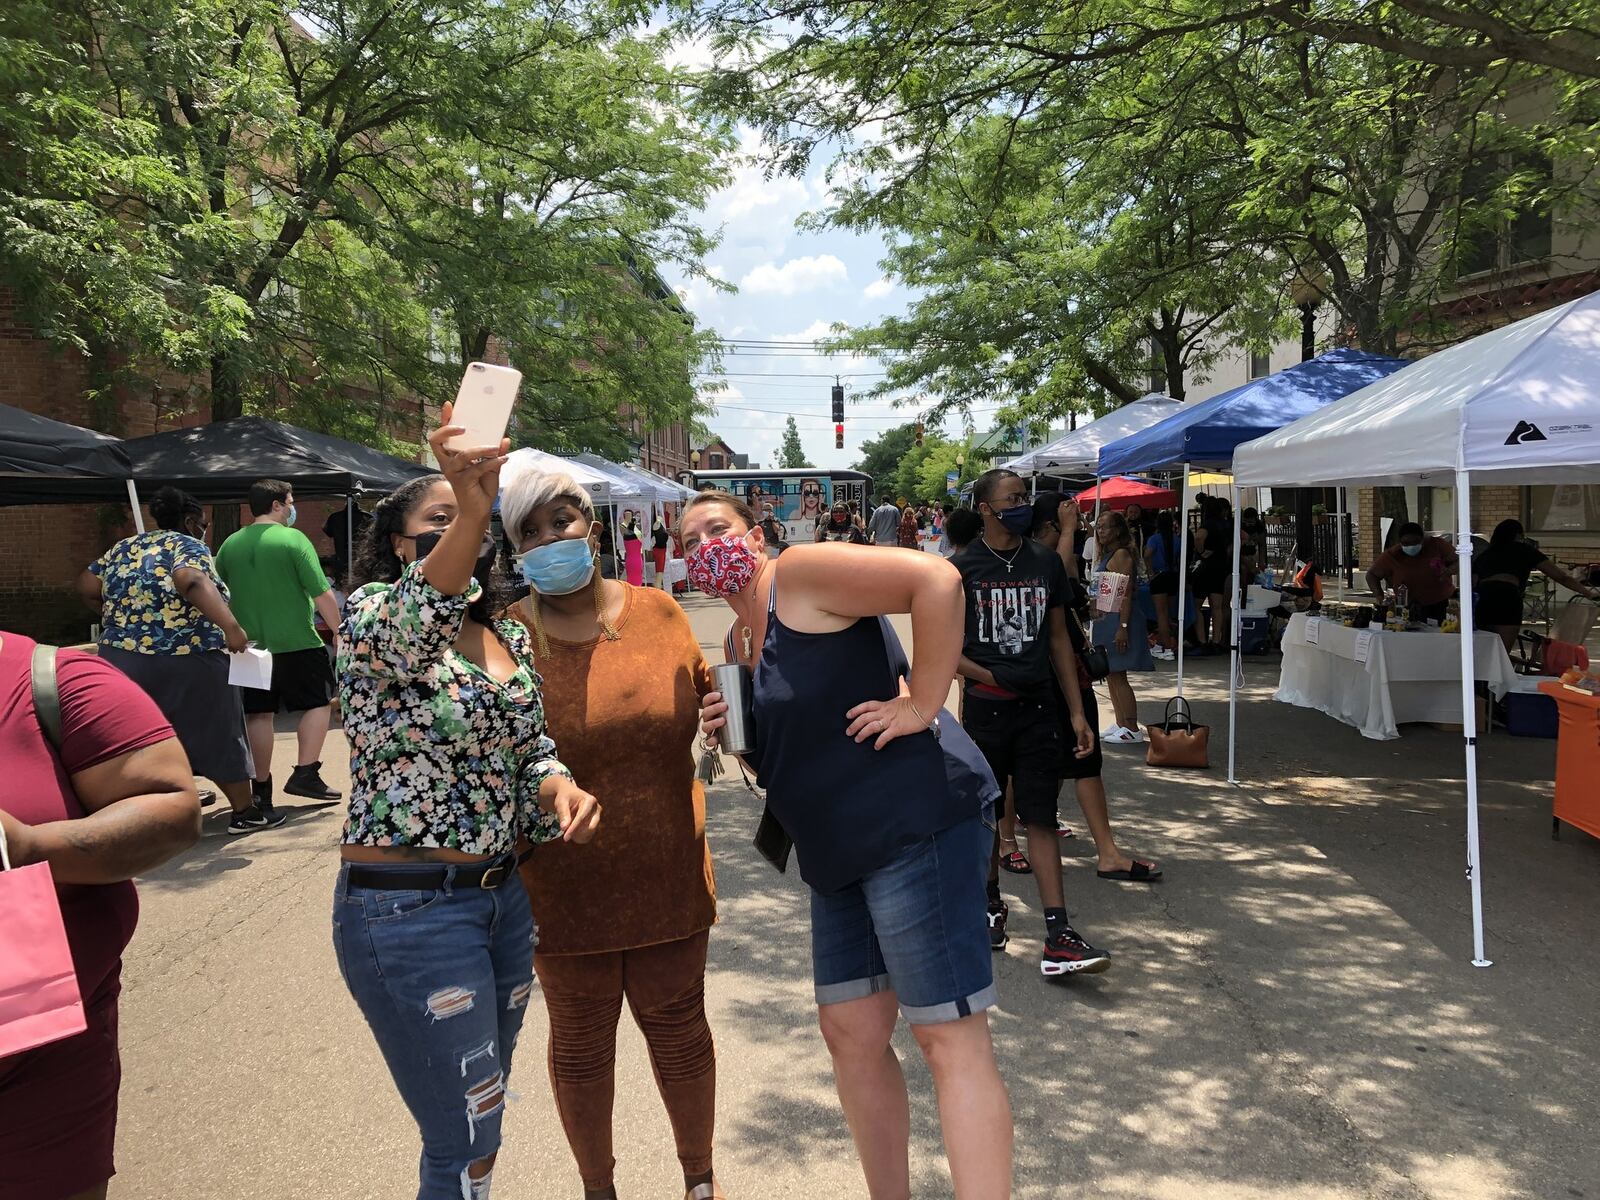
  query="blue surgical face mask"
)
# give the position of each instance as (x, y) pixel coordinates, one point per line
(558, 568)
(1413, 551)
(294, 515)
(1017, 520)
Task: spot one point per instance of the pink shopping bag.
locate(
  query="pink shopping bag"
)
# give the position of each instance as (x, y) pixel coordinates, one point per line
(39, 999)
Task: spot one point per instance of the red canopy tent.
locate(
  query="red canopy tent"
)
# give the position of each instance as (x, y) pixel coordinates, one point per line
(1119, 491)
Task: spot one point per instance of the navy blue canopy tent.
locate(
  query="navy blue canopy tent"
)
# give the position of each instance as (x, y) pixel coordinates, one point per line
(1206, 434)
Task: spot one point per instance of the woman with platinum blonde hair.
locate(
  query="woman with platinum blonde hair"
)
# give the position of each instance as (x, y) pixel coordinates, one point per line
(627, 916)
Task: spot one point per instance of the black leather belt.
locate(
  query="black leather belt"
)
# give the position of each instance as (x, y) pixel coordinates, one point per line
(488, 875)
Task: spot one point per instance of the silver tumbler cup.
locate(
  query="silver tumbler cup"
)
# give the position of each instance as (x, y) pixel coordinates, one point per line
(738, 736)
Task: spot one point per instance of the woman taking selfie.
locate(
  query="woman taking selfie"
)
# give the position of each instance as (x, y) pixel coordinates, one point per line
(450, 765)
(629, 915)
(891, 840)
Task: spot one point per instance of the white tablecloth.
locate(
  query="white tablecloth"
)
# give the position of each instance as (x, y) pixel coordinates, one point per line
(1407, 676)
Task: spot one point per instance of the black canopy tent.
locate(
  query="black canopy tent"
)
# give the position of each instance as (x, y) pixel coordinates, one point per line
(50, 462)
(217, 463)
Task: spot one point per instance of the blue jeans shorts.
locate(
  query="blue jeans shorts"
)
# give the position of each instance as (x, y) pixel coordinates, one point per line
(917, 927)
(443, 977)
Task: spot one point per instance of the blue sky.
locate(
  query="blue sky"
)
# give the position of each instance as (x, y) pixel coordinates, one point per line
(793, 285)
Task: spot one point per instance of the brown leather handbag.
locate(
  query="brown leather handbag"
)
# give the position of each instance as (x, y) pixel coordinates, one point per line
(1178, 741)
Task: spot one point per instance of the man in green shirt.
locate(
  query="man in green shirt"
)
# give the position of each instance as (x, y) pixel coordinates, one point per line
(278, 587)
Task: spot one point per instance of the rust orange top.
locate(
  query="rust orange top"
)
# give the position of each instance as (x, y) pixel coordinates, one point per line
(626, 715)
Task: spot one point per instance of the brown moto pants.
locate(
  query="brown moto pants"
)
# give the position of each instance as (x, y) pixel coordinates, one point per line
(665, 988)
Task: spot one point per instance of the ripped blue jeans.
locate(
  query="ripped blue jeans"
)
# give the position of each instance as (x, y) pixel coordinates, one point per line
(443, 977)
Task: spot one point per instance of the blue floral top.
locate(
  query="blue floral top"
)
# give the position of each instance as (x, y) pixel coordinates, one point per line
(143, 610)
(441, 753)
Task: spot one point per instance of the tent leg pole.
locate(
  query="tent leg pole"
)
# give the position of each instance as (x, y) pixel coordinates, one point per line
(1469, 712)
(1234, 626)
(133, 501)
(1338, 532)
(1183, 572)
(349, 533)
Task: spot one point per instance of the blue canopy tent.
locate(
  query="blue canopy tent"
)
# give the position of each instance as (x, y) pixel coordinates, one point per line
(1205, 434)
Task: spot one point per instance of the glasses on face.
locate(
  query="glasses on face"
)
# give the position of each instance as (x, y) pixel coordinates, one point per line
(811, 491)
(1015, 500)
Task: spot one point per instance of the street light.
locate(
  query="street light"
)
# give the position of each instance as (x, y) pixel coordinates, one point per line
(694, 459)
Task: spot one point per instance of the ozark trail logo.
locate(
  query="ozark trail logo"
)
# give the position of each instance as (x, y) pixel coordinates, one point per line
(1526, 431)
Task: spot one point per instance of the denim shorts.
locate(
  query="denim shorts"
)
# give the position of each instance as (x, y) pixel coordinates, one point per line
(917, 927)
(443, 977)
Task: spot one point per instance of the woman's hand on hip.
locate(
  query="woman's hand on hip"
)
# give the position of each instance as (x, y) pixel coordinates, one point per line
(576, 809)
(883, 720)
(713, 716)
(473, 472)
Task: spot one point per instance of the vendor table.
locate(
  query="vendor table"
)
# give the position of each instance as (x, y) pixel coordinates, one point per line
(1577, 798)
(1414, 676)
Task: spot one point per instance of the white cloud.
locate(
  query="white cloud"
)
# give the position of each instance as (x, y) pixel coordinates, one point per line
(879, 288)
(807, 273)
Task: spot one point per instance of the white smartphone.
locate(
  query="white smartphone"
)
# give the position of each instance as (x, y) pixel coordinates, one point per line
(483, 405)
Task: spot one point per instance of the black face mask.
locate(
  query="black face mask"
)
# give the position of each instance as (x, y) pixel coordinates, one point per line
(486, 553)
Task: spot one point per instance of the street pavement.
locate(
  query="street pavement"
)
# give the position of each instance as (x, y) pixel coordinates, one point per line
(1291, 1014)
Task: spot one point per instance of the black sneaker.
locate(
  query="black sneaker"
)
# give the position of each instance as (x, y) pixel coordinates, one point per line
(207, 797)
(997, 925)
(307, 781)
(252, 819)
(1066, 953)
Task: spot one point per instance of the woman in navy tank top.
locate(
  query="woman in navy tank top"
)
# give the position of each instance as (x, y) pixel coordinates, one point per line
(887, 806)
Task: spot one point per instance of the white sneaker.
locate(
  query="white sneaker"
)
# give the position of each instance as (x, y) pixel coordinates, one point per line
(1163, 654)
(1112, 733)
(1122, 737)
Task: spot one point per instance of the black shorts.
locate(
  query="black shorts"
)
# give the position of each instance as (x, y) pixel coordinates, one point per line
(1499, 603)
(1021, 739)
(1091, 765)
(301, 680)
(1210, 576)
(1164, 584)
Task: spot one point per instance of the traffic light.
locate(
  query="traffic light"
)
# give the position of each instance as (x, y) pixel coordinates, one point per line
(838, 404)
(838, 437)
(919, 433)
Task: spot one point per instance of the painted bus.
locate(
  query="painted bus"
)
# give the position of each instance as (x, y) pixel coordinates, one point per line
(796, 497)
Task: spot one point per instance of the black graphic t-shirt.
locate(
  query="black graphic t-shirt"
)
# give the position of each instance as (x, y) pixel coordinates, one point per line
(1009, 598)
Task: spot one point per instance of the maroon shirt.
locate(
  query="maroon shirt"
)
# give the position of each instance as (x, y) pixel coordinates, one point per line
(103, 714)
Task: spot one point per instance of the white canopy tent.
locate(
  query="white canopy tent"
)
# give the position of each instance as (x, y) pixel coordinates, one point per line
(1518, 405)
(598, 484)
(1079, 452)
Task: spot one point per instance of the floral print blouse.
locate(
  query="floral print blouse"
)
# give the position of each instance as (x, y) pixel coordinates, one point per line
(441, 753)
(143, 611)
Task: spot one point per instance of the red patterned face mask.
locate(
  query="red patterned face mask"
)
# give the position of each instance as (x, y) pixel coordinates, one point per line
(722, 566)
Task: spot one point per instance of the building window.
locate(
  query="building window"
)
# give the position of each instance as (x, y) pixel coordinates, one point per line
(716, 462)
(1260, 364)
(1507, 223)
(1564, 508)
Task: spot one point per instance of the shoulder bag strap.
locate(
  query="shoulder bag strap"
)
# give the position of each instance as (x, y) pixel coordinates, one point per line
(47, 694)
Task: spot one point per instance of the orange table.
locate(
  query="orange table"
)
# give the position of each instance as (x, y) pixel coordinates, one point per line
(1577, 799)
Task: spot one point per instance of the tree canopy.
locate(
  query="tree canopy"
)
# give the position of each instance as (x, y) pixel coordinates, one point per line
(792, 454)
(324, 211)
(1088, 200)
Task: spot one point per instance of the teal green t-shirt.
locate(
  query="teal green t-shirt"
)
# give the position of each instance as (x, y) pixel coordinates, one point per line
(273, 573)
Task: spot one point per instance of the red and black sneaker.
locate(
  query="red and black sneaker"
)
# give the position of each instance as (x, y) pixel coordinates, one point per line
(997, 925)
(1063, 830)
(1065, 953)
